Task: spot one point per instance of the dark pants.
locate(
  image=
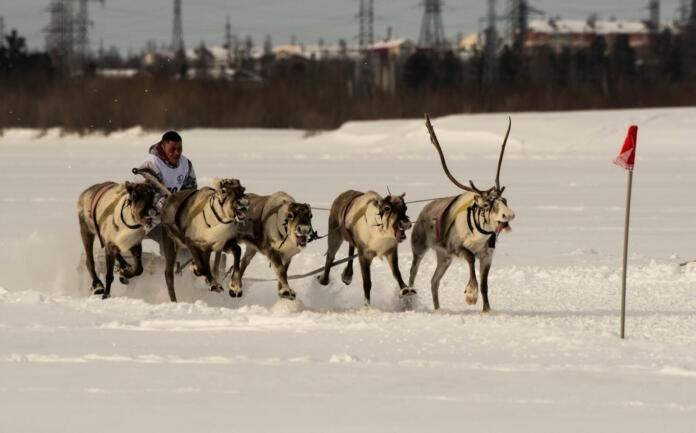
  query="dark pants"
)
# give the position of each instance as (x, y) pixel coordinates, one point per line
(156, 234)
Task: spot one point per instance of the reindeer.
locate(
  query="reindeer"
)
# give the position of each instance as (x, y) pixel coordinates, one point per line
(375, 226)
(465, 226)
(279, 228)
(120, 215)
(203, 220)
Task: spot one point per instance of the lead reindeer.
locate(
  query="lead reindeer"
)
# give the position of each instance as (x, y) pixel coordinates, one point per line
(465, 226)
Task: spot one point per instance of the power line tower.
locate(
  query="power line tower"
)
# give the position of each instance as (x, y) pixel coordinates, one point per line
(82, 25)
(59, 34)
(177, 46)
(491, 45)
(228, 41)
(2, 31)
(519, 13)
(654, 15)
(366, 18)
(683, 12)
(177, 29)
(432, 32)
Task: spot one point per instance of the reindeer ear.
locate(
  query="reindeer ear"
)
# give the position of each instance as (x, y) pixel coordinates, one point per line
(217, 184)
(402, 196)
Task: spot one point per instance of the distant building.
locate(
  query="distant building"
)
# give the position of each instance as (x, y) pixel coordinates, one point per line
(577, 34)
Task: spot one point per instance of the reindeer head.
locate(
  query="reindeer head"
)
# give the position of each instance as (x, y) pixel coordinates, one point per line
(141, 198)
(229, 194)
(391, 215)
(493, 206)
(298, 223)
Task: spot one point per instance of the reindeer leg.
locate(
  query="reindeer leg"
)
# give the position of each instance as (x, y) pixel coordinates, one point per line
(281, 270)
(365, 264)
(169, 248)
(471, 291)
(485, 267)
(443, 263)
(127, 272)
(88, 242)
(202, 261)
(111, 252)
(235, 284)
(347, 274)
(393, 259)
(334, 243)
(419, 248)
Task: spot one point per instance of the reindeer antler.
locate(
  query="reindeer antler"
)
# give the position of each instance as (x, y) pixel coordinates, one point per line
(500, 160)
(152, 179)
(436, 143)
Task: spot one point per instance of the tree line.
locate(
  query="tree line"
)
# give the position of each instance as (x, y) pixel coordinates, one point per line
(323, 94)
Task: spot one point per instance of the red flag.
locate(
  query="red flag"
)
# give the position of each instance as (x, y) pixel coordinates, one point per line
(627, 156)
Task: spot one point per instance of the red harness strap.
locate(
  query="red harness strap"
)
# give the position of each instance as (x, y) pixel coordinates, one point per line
(93, 209)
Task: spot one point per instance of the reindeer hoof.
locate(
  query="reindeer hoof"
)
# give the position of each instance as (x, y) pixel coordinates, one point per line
(217, 288)
(471, 296)
(406, 292)
(106, 296)
(97, 288)
(195, 270)
(234, 294)
(123, 280)
(323, 281)
(347, 279)
(287, 294)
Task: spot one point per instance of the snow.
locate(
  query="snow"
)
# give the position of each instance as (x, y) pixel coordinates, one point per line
(547, 359)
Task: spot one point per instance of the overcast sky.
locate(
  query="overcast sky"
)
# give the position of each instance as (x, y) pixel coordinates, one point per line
(129, 23)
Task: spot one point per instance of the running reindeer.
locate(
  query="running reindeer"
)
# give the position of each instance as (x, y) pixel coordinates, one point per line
(375, 226)
(120, 215)
(279, 228)
(463, 226)
(203, 221)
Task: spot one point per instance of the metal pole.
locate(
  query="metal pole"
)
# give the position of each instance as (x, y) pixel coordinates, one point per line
(625, 253)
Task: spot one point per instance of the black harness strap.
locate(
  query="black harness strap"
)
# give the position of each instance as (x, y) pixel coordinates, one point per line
(472, 214)
(132, 227)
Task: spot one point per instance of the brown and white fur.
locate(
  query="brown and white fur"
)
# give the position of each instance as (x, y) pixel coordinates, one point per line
(121, 206)
(375, 226)
(489, 213)
(279, 228)
(202, 221)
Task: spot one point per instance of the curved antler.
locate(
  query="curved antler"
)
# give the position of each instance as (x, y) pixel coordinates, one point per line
(500, 160)
(150, 177)
(436, 143)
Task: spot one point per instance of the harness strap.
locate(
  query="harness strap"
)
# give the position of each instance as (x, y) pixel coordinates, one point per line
(344, 227)
(470, 216)
(123, 220)
(106, 186)
(444, 224)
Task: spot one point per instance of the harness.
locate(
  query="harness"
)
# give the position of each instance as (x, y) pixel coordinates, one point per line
(106, 186)
(473, 211)
(200, 208)
(344, 227)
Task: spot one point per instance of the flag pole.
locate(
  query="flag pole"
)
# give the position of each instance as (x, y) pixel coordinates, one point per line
(625, 253)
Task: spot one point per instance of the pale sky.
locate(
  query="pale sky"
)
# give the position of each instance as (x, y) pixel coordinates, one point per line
(129, 23)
